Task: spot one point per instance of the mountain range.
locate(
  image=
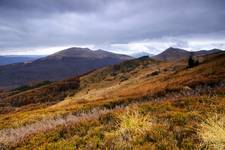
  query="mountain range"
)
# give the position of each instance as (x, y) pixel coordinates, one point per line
(5, 60)
(76, 61)
(66, 63)
(176, 53)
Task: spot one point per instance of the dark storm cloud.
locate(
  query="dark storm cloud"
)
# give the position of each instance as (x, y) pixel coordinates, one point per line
(121, 24)
(50, 6)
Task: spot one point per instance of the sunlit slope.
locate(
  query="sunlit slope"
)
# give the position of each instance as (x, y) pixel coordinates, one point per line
(148, 77)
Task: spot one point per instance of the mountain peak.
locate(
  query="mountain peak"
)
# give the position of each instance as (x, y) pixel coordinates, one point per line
(172, 53)
(174, 49)
(66, 63)
(77, 52)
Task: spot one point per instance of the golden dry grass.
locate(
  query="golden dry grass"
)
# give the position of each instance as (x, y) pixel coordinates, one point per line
(131, 127)
(12, 136)
(134, 123)
(212, 132)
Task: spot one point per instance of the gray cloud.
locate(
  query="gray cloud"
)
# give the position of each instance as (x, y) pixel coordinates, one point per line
(117, 25)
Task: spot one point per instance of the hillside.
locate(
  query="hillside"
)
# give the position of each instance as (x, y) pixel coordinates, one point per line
(45, 92)
(176, 54)
(64, 64)
(137, 104)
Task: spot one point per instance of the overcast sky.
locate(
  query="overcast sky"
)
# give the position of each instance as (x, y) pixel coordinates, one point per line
(123, 26)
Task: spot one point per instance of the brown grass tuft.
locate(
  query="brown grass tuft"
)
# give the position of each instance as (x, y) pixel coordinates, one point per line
(133, 122)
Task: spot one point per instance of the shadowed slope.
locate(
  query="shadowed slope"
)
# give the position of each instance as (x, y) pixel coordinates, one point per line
(64, 64)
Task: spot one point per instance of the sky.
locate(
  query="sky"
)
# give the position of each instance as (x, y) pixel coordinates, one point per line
(42, 27)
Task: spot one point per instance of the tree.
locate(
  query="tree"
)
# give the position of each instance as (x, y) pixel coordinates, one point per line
(191, 61)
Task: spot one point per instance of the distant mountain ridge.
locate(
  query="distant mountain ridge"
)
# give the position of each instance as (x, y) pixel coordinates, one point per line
(141, 54)
(66, 63)
(76, 52)
(176, 53)
(73, 62)
(5, 60)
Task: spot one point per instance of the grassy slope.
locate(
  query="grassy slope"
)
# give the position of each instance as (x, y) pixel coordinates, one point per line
(174, 98)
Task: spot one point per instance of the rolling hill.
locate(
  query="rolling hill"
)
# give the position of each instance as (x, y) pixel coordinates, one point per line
(67, 63)
(137, 104)
(176, 53)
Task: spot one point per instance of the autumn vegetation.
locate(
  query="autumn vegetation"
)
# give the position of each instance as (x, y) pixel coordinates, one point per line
(137, 104)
